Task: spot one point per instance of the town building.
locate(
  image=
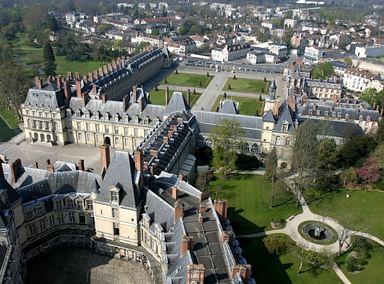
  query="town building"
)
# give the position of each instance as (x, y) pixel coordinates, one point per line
(313, 55)
(229, 53)
(324, 90)
(358, 80)
(370, 51)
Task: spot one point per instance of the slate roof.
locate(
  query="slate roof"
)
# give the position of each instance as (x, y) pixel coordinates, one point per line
(121, 174)
(159, 210)
(269, 117)
(176, 103)
(286, 115)
(228, 106)
(46, 98)
(334, 128)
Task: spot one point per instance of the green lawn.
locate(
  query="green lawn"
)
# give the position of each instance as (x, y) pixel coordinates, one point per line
(158, 97)
(188, 80)
(362, 211)
(270, 268)
(247, 106)
(247, 85)
(33, 59)
(372, 272)
(248, 202)
(5, 132)
(9, 117)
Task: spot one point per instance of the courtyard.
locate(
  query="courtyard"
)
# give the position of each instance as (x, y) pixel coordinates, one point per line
(82, 266)
(188, 80)
(157, 97)
(247, 106)
(246, 85)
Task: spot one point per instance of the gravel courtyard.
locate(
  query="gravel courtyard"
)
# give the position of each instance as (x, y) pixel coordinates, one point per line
(75, 265)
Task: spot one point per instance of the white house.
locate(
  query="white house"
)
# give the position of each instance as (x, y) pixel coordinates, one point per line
(313, 54)
(370, 51)
(358, 80)
(229, 53)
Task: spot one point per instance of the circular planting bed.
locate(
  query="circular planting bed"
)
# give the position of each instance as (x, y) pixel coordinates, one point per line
(317, 232)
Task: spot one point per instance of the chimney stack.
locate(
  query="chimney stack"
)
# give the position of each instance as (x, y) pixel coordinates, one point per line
(105, 156)
(221, 208)
(142, 103)
(36, 165)
(94, 89)
(138, 157)
(1, 170)
(186, 244)
(39, 83)
(78, 88)
(134, 93)
(195, 274)
(174, 192)
(67, 90)
(103, 98)
(166, 96)
(80, 165)
(50, 168)
(59, 81)
(179, 210)
(16, 170)
(125, 101)
(243, 270)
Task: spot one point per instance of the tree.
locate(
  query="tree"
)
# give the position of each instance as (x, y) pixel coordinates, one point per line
(323, 71)
(271, 170)
(49, 60)
(369, 172)
(348, 61)
(348, 177)
(13, 86)
(225, 138)
(355, 149)
(380, 132)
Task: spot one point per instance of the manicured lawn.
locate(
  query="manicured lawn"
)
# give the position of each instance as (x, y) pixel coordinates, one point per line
(9, 117)
(189, 80)
(247, 106)
(362, 211)
(372, 272)
(248, 202)
(270, 268)
(247, 85)
(33, 59)
(158, 97)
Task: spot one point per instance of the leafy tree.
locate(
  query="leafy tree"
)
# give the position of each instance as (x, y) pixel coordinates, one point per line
(278, 244)
(369, 172)
(374, 98)
(271, 170)
(348, 61)
(49, 60)
(355, 149)
(104, 28)
(348, 177)
(225, 138)
(323, 71)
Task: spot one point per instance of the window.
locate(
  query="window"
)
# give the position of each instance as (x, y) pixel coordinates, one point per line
(115, 213)
(81, 219)
(287, 142)
(116, 230)
(79, 204)
(310, 112)
(285, 127)
(326, 113)
(89, 204)
(42, 225)
(116, 130)
(114, 196)
(71, 217)
(51, 221)
(32, 229)
(97, 128)
(277, 140)
(58, 204)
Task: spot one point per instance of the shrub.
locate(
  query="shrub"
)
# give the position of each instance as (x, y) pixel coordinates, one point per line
(260, 98)
(277, 244)
(207, 74)
(176, 72)
(352, 264)
(229, 87)
(234, 77)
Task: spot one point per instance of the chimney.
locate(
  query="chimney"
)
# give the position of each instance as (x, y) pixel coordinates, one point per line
(186, 244)
(105, 156)
(77, 76)
(195, 274)
(174, 192)
(125, 101)
(243, 270)
(78, 88)
(94, 89)
(134, 93)
(166, 96)
(16, 170)
(103, 98)
(58, 82)
(138, 157)
(153, 169)
(142, 104)
(226, 237)
(67, 90)
(1, 170)
(200, 218)
(80, 165)
(39, 83)
(221, 208)
(165, 139)
(179, 210)
(36, 165)
(50, 168)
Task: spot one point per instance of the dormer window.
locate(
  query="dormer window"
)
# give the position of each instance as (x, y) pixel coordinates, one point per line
(347, 116)
(368, 118)
(114, 193)
(361, 117)
(339, 114)
(326, 113)
(285, 126)
(318, 112)
(310, 112)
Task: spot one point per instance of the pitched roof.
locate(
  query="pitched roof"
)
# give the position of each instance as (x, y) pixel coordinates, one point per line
(121, 174)
(176, 103)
